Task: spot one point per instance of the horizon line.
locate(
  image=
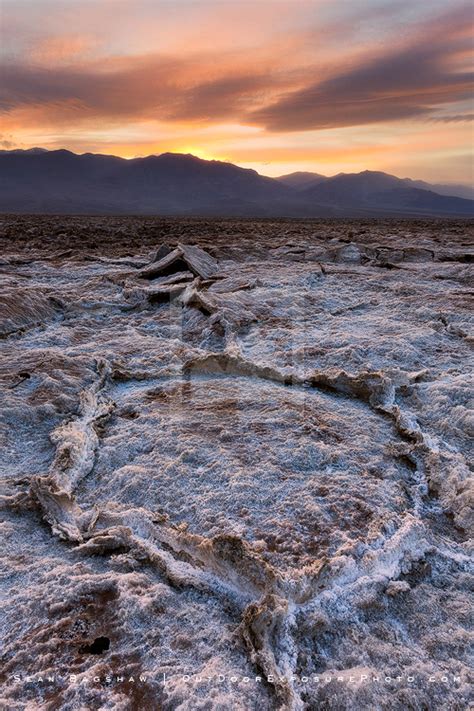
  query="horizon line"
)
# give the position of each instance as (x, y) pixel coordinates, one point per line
(228, 162)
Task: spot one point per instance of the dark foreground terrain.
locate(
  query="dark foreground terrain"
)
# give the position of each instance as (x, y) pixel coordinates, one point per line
(234, 453)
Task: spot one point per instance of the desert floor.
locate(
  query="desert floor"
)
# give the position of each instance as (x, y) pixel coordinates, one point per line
(244, 469)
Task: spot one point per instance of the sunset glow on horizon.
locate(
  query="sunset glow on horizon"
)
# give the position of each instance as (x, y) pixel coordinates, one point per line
(274, 85)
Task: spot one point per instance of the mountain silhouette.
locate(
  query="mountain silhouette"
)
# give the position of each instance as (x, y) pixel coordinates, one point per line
(301, 180)
(40, 181)
(374, 190)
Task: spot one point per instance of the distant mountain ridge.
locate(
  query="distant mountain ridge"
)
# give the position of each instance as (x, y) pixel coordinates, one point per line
(302, 180)
(463, 191)
(25, 151)
(370, 189)
(40, 181)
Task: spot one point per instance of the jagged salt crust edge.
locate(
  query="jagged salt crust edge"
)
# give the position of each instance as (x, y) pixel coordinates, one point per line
(226, 566)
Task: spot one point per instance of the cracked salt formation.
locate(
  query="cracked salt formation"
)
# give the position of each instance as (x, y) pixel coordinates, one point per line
(241, 453)
(184, 257)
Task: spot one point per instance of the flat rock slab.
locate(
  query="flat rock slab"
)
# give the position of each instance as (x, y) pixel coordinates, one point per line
(190, 257)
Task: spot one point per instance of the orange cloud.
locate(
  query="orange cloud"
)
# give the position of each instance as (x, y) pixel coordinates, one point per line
(203, 66)
(62, 49)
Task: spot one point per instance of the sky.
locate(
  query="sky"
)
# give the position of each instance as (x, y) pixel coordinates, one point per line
(276, 85)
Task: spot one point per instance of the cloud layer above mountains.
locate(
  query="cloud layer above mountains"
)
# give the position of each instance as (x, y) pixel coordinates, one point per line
(237, 79)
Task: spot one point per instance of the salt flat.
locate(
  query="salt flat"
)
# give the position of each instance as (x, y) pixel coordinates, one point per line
(244, 459)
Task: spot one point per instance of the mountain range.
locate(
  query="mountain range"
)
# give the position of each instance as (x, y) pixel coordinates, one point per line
(41, 181)
(302, 180)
